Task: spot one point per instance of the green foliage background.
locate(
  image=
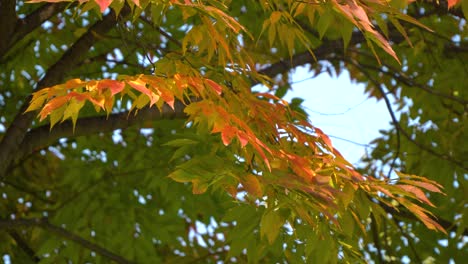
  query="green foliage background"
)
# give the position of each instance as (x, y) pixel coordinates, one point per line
(111, 190)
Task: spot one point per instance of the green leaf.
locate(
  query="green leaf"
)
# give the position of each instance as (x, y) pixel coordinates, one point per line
(271, 225)
(324, 21)
(181, 142)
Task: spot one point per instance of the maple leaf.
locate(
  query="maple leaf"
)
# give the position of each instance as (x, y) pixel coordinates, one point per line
(452, 3)
(216, 87)
(227, 134)
(103, 4)
(115, 86)
(141, 86)
(52, 105)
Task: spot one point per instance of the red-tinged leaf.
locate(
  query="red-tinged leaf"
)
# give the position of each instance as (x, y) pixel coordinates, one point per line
(99, 101)
(301, 166)
(115, 86)
(252, 185)
(324, 137)
(137, 2)
(227, 134)
(321, 179)
(52, 105)
(79, 96)
(452, 3)
(243, 138)
(167, 96)
(196, 85)
(352, 10)
(141, 86)
(421, 213)
(216, 87)
(426, 185)
(420, 182)
(103, 4)
(385, 191)
(417, 193)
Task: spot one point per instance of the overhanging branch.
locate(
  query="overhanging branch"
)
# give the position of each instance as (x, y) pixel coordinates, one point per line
(61, 232)
(43, 136)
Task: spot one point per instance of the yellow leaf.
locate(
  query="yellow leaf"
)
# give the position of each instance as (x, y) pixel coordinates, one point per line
(275, 17)
(71, 111)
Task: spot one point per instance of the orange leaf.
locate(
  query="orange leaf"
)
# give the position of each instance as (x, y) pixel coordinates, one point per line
(167, 96)
(115, 86)
(228, 134)
(252, 185)
(52, 105)
(417, 192)
(420, 213)
(324, 137)
(426, 185)
(243, 138)
(80, 97)
(103, 4)
(218, 89)
(74, 83)
(141, 86)
(452, 3)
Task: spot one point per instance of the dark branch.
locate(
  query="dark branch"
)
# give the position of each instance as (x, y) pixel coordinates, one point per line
(404, 79)
(7, 22)
(43, 136)
(61, 232)
(24, 246)
(395, 121)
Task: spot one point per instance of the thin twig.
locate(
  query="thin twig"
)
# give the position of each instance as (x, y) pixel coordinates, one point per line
(390, 111)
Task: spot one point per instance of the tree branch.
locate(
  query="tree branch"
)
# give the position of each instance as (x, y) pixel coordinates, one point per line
(61, 232)
(74, 55)
(390, 111)
(7, 22)
(403, 78)
(24, 246)
(43, 136)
